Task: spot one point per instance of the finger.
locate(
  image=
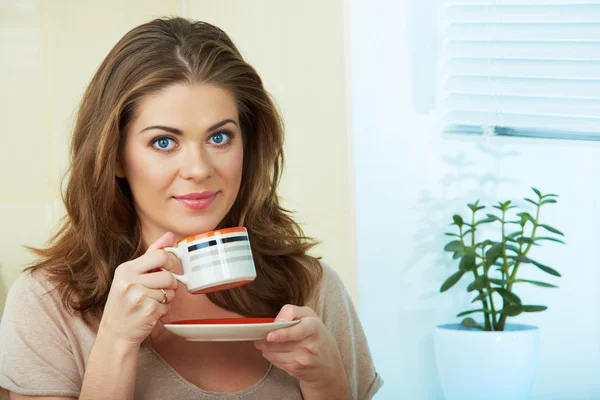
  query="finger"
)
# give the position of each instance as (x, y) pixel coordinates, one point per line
(281, 360)
(166, 240)
(290, 312)
(285, 347)
(151, 261)
(159, 296)
(156, 309)
(157, 280)
(172, 263)
(302, 330)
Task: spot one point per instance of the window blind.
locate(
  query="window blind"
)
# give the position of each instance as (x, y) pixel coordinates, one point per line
(521, 68)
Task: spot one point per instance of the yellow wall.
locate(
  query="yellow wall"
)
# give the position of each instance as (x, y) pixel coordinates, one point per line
(50, 49)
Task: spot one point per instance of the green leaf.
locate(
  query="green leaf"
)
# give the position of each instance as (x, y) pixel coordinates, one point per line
(470, 323)
(451, 234)
(509, 297)
(545, 268)
(475, 206)
(493, 254)
(522, 259)
(451, 281)
(525, 240)
(512, 310)
(467, 263)
(537, 192)
(548, 238)
(478, 284)
(458, 220)
(512, 248)
(549, 201)
(457, 255)
(532, 202)
(526, 216)
(550, 195)
(484, 310)
(468, 231)
(485, 243)
(513, 234)
(531, 308)
(536, 283)
(486, 221)
(480, 297)
(494, 217)
(500, 282)
(551, 229)
(454, 246)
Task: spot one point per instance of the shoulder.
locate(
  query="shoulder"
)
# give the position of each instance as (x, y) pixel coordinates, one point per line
(31, 295)
(330, 279)
(329, 292)
(34, 285)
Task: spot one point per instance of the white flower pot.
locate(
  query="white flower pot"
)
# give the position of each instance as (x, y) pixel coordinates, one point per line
(475, 365)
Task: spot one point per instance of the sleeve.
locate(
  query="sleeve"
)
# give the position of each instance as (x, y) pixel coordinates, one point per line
(35, 354)
(337, 311)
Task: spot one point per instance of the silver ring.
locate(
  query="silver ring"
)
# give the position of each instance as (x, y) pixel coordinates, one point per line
(164, 300)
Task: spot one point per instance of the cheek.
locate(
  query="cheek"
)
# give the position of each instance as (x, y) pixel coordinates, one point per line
(145, 174)
(236, 167)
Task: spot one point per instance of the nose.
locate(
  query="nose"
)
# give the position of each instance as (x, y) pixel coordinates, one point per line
(195, 164)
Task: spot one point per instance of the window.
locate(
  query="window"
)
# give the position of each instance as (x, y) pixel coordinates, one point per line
(521, 68)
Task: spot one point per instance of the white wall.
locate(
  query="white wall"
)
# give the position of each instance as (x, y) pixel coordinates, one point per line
(409, 182)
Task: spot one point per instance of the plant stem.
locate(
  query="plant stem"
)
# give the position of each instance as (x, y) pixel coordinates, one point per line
(504, 259)
(513, 275)
(504, 270)
(487, 322)
(489, 294)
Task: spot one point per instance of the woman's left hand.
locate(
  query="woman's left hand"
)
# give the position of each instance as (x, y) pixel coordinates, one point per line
(306, 351)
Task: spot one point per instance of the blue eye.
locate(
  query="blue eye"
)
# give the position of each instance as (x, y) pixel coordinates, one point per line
(220, 138)
(163, 143)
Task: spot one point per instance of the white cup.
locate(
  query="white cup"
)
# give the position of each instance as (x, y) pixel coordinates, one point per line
(215, 260)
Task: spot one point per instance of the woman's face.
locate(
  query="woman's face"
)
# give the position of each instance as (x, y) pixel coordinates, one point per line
(183, 159)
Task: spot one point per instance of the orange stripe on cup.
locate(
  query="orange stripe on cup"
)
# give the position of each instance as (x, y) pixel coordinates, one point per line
(218, 232)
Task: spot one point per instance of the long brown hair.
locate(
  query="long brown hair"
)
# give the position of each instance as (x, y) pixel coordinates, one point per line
(101, 231)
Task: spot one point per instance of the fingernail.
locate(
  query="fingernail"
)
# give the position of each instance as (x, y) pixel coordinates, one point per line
(273, 337)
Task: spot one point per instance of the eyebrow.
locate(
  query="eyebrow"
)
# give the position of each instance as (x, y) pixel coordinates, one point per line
(176, 131)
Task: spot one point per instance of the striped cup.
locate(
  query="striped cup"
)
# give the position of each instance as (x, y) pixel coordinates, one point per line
(215, 260)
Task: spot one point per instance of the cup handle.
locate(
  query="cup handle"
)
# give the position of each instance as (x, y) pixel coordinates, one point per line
(177, 253)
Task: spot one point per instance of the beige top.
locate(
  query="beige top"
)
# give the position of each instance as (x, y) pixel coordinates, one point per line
(44, 349)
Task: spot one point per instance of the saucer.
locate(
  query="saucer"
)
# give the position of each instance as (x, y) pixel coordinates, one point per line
(226, 329)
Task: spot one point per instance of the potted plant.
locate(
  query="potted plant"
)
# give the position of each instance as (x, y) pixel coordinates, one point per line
(486, 357)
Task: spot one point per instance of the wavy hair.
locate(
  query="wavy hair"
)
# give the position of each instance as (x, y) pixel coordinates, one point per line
(101, 230)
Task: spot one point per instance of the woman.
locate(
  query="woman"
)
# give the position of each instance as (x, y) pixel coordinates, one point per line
(175, 136)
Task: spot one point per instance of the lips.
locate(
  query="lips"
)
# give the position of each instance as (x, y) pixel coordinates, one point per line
(196, 201)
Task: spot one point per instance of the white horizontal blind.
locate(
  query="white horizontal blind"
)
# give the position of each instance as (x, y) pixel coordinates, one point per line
(521, 68)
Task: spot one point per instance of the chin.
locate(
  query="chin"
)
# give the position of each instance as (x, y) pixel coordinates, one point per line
(186, 228)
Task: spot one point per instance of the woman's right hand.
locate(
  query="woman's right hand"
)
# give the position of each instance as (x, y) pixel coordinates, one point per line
(134, 303)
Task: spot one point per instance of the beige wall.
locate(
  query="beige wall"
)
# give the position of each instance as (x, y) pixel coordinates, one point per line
(50, 49)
